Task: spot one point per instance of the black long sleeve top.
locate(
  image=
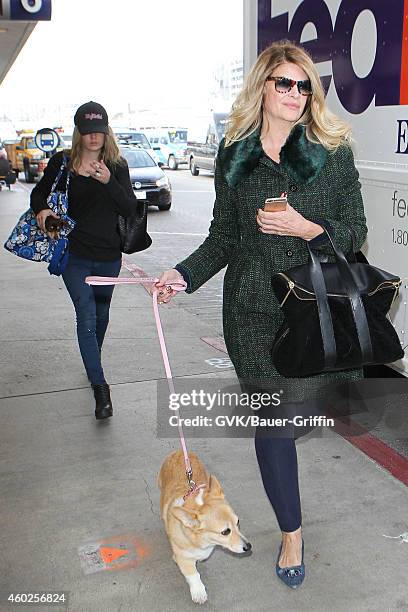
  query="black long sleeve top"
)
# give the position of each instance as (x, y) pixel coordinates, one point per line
(93, 206)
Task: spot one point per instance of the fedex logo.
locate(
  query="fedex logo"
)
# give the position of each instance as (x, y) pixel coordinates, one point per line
(387, 81)
(402, 146)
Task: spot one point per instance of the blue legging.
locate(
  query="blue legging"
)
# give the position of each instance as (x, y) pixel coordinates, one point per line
(277, 459)
(91, 305)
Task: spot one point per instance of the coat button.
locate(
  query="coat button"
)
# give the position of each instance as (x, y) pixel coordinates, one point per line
(289, 253)
(293, 187)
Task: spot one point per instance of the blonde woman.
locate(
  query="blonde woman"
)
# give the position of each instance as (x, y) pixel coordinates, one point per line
(280, 138)
(99, 190)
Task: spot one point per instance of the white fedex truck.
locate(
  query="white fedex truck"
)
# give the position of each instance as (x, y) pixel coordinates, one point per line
(361, 51)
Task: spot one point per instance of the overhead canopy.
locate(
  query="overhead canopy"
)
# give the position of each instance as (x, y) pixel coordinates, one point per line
(11, 42)
(18, 19)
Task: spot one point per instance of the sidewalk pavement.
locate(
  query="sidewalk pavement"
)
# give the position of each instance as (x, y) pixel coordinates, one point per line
(72, 486)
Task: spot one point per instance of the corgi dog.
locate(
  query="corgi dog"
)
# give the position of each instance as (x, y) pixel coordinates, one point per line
(196, 521)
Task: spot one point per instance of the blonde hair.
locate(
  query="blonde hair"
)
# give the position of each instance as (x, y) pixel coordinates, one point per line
(322, 126)
(110, 150)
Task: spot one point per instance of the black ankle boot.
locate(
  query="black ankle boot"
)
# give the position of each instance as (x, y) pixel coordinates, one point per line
(103, 407)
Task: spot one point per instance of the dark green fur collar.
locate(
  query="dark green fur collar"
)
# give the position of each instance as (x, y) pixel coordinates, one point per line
(300, 158)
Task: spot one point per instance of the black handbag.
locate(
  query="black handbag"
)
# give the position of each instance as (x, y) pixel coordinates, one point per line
(133, 230)
(335, 316)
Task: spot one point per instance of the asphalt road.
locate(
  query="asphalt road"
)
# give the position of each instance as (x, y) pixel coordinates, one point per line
(193, 199)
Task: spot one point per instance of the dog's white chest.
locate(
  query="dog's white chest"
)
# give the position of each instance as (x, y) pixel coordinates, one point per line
(198, 553)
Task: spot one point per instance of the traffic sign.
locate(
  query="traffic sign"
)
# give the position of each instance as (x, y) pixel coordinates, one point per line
(25, 10)
(47, 140)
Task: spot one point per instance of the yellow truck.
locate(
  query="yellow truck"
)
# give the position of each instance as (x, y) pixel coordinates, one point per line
(25, 157)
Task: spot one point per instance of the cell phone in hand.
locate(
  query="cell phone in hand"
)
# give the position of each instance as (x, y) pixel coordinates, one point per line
(275, 204)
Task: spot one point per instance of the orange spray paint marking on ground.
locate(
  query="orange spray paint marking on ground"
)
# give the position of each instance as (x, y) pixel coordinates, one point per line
(115, 553)
(111, 554)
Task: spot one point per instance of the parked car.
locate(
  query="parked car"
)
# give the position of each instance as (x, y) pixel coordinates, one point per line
(25, 156)
(170, 145)
(66, 141)
(132, 136)
(148, 180)
(202, 149)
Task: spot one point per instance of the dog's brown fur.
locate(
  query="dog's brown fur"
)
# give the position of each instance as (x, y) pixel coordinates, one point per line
(194, 526)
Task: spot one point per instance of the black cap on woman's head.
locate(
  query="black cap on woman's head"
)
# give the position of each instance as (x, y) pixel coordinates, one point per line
(90, 118)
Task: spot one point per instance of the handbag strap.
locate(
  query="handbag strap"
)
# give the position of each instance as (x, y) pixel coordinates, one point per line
(68, 176)
(352, 233)
(60, 171)
(357, 306)
(325, 318)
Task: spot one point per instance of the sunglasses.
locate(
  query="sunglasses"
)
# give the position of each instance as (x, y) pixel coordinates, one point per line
(284, 85)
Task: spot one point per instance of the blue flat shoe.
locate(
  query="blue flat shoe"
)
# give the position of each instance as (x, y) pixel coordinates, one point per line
(291, 576)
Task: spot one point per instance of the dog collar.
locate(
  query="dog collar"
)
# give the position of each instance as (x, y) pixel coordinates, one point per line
(193, 489)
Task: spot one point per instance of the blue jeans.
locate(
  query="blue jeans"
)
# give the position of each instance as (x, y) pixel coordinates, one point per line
(91, 305)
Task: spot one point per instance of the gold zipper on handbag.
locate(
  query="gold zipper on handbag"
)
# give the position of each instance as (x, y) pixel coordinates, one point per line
(395, 284)
(293, 287)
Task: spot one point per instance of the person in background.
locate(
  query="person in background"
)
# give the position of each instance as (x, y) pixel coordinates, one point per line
(280, 138)
(99, 190)
(6, 172)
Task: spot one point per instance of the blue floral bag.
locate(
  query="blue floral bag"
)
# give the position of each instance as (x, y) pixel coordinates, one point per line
(27, 240)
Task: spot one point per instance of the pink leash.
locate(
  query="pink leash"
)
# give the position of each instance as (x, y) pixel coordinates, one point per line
(180, 286)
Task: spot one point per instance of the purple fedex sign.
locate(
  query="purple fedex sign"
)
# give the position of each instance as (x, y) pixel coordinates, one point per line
(387, 81)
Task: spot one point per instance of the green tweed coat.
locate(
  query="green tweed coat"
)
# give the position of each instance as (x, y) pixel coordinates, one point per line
(321, 186)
